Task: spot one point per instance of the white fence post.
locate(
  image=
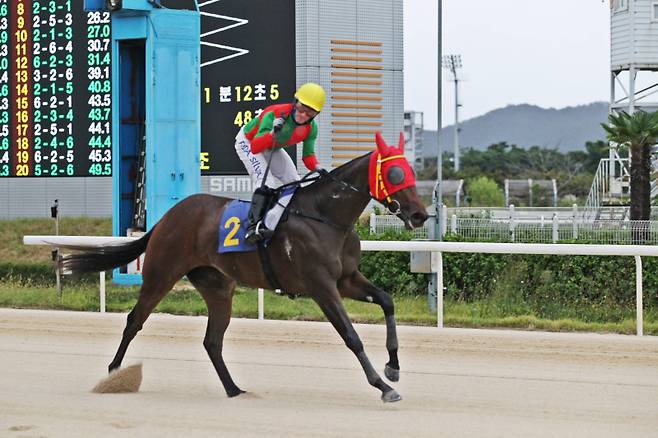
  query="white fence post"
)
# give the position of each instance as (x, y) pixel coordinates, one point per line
(261, 304)
(639, 319)
(453, 224)
(512, 224)
(102, 291)
(444, 220)
(436, 261)
(373, 218)
(556, 228)
(575, 222)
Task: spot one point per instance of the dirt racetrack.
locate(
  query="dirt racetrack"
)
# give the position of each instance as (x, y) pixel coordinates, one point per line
(303, 382)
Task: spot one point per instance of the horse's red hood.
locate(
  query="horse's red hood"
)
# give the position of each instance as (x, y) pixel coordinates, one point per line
(389, 170)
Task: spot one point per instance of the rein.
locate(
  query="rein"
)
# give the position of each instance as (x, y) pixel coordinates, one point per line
(319, 176)
(391, 205)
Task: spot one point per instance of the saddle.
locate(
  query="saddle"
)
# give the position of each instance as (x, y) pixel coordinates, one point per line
(235, 219)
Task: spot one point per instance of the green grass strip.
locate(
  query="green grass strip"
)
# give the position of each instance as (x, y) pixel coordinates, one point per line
(410, 310)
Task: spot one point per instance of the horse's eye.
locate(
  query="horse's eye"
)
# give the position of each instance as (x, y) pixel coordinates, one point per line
(395, 175)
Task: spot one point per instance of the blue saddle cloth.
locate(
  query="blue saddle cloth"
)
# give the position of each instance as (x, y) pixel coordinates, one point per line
(233, 225)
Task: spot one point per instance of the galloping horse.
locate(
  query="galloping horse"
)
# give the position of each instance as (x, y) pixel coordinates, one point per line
(315, 252)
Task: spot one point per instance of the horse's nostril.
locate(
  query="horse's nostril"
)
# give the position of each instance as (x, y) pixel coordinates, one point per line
(419, 218)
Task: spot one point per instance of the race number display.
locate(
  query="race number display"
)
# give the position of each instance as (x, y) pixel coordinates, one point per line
(55, 89)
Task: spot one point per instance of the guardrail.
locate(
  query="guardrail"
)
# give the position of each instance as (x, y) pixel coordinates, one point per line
(436, 249)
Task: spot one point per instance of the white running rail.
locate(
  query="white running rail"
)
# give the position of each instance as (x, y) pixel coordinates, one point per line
(436, 248)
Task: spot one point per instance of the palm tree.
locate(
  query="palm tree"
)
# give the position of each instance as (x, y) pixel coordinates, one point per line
(639, 131)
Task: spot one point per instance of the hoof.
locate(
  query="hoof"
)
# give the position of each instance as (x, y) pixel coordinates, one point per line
(391, 396)
(234, 393)
(392, 374)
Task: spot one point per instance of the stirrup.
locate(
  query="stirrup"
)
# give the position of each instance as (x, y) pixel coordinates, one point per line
(257, 233)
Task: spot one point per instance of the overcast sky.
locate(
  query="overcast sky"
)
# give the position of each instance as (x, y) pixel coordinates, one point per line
(547, 53)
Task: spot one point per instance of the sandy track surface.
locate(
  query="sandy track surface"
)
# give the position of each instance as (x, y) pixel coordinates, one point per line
(302, 381)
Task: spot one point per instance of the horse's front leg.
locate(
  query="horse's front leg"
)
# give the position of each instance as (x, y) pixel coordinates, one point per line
(333, 308)
(358, 287)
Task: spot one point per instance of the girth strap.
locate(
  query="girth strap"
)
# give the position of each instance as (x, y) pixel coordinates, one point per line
(268, 270)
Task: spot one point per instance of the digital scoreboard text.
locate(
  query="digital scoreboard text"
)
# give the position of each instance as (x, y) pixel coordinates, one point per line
(55, 89)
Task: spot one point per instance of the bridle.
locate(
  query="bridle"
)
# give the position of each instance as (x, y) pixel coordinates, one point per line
(391, 205)
(379, 185)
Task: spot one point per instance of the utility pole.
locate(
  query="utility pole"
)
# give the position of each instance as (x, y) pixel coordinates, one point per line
(433, 295)
(454, 63)
(438, 188)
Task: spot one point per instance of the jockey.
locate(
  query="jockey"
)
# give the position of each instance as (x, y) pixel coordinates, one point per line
(263, 139)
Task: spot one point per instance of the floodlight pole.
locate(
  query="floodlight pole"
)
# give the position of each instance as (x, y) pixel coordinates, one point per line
(456, 122)
(454, 63)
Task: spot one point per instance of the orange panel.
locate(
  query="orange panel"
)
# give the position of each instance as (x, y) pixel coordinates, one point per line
(356, 58)
(356, 82)
(356, 115)
(354, 97)
(353, 148)
(356, 105)
(357, 74)
(350, 50)
(356, 122)
(353, 131)
(346, 155)
(357, 43)
(355, 90)
(348, 139)
(360, 67)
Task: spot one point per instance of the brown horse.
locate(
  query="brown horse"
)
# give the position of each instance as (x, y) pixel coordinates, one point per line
(314, 252)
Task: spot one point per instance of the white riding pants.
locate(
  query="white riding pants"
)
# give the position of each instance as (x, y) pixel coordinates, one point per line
(282, 171)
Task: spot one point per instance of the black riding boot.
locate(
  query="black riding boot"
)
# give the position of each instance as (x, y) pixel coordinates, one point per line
(256, 229)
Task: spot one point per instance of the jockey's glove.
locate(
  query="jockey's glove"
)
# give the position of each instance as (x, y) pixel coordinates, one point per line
(278, 124)
(310, 162)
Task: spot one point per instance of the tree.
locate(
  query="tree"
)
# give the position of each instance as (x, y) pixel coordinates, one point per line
(484, 192)
(639, 132)
(596, 150)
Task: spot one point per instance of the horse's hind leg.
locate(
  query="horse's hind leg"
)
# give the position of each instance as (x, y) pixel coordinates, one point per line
(333, 309)
(154, 288)
(358, 287)
(217, 291)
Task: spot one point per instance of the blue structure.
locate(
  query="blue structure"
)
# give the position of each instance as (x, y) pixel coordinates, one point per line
(156, 114)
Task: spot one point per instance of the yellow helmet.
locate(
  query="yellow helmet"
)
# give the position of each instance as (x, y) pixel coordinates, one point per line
(312, 95)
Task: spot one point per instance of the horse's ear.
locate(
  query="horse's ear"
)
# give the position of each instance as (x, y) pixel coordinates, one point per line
(381, 144)
(401, 142)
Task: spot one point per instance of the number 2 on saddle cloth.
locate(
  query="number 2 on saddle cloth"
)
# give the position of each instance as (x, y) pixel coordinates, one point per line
(233, 224)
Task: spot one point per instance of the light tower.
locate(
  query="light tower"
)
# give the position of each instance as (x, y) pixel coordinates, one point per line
(454, 63)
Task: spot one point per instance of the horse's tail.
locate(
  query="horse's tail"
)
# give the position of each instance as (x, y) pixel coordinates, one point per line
(102, 258)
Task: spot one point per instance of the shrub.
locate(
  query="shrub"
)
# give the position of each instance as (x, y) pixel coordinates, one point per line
(484, 192)
(389, 270)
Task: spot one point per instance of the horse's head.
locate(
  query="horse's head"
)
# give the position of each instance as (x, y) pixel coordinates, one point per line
(393, 183)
